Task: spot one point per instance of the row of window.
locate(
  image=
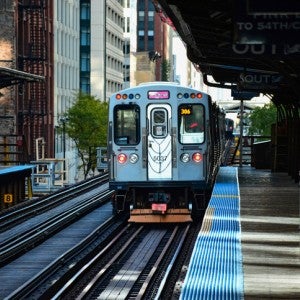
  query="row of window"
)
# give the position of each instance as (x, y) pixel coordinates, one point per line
(114, 40)
(66, 14)
(145, 42)
(115, 17)
(114, 64)
(67, 45)
(66, 76)
(113, 86)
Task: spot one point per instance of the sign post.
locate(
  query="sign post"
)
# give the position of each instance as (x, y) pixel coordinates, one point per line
(241, 132)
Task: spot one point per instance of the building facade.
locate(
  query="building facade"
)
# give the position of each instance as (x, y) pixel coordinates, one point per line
(26, 44)
(101, 47)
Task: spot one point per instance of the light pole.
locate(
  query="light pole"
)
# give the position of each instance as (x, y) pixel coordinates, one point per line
(63, 121)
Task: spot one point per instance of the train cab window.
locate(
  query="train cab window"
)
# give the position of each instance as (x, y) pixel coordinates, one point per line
(126, 125)
(191, 120)
(159, 121)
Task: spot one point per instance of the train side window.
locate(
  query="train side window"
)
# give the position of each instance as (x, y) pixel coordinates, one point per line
(127, 125)
(191, 120)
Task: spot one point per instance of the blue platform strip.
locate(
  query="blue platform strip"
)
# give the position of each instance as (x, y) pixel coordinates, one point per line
(215, 270)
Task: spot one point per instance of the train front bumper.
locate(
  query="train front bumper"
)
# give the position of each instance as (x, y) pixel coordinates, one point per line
(179, 215)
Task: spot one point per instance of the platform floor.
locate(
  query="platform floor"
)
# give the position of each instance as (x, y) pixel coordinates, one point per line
(270, 234)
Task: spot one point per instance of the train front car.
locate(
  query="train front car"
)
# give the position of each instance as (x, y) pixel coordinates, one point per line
(161, 154)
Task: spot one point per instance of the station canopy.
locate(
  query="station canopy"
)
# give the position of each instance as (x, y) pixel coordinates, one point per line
(10, 77)
(244, 45)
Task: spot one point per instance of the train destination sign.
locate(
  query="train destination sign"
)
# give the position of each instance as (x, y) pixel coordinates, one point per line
(159, 94)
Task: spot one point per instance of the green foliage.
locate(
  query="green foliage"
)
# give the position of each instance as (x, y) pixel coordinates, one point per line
(166, 69)
(87, 127)
(261, 119)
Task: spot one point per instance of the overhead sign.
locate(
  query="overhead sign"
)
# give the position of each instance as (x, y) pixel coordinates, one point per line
(273, 7)
(243, 95)
(260, 81)
(261, 23)
(267, 29)
(267, 50)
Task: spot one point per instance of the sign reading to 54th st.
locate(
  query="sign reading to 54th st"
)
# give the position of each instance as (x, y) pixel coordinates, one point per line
(280, 27)
(268, 29)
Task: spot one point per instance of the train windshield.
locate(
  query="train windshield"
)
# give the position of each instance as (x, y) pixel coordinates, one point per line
(126, 124)
(191, 120)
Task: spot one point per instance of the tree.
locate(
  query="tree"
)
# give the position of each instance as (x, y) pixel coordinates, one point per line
(166, 69)
(87, 126)
(261, 119)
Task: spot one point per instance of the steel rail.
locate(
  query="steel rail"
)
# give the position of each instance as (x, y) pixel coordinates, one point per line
(15, 246)
(171, 264)
(84, 269)
(66, 259)
(9, 219)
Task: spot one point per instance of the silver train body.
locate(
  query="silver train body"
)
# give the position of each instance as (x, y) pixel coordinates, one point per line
(164, 150)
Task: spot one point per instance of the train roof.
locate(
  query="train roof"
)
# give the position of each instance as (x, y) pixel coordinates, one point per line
(162, 84)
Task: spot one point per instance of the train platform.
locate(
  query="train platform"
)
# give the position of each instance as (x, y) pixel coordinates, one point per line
(249, 243)
(13, 184)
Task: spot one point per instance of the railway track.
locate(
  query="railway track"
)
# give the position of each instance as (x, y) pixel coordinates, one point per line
(15, 245)
(136, 263)
(48, 280)
(19, 213)
(35, 243)
(82, 240)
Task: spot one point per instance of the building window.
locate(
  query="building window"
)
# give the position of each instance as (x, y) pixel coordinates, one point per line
(85, 86)
(85, 37)
(85, 11)
(127, 24)
(85, 62)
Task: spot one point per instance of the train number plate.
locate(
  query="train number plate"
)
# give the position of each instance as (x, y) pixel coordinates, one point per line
(159, 207)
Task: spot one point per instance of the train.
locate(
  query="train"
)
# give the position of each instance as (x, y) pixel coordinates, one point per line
(165, 146)
(229, 127)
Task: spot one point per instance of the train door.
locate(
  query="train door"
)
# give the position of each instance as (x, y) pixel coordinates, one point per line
(159, 142)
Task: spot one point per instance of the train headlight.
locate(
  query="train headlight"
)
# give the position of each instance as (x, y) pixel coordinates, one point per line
(197, 157)
(133, 158)
(122, 158)
(185, 157)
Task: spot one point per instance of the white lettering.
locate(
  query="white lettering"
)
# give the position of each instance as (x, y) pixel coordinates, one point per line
(260, 78)
(159, 158)
(246, 26)
(242, 49)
